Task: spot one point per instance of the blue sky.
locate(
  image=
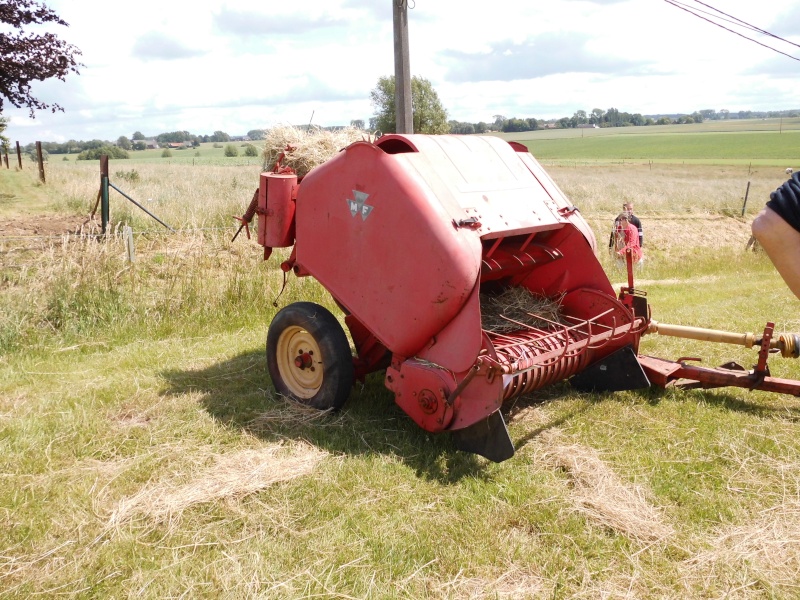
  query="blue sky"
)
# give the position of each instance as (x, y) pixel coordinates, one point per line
(208, 65)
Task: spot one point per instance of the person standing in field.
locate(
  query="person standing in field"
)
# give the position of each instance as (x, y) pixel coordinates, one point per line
(627, 209)
(777, 229)
(626, 238)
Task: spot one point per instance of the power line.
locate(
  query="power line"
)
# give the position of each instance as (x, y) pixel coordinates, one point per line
(748, 25)
(695, 12)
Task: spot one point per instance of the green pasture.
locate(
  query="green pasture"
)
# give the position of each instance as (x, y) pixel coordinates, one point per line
(761, 148)
(725, 126)
(205, 154)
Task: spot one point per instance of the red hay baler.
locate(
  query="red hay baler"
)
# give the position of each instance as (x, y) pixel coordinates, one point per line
(407, 234)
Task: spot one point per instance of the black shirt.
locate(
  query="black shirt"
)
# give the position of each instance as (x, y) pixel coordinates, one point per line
(786, 201)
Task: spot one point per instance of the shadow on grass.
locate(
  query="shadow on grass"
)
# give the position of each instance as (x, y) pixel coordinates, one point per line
(238, 393)
(760, 404)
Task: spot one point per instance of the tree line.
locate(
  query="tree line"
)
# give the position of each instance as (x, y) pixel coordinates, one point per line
(609, 118)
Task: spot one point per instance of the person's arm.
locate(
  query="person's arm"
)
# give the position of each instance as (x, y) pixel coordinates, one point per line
(781, 242)
(638, 222)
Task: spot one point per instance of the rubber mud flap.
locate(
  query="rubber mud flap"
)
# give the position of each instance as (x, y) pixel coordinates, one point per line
(488, 438)
(616, 372)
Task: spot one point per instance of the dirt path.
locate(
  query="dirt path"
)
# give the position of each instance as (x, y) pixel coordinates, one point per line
(41, 225)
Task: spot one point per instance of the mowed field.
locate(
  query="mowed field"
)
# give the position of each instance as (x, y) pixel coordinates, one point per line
(144, 452)
(747, 142)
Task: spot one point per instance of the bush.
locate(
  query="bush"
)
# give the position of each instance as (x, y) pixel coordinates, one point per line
(166, 153)
(231, 150)
(35, 158)
(96, 153)
(250, 150)
(131, 176)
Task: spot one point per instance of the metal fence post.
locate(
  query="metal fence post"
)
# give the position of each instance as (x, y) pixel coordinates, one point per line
(104, 210)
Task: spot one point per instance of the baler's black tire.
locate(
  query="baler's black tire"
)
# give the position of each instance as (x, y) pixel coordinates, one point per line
(309, 357)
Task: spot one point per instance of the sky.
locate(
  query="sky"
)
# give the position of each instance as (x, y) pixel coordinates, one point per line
(156, 66)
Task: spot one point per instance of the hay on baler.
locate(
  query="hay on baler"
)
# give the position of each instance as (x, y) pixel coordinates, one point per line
(304, 149)
(499, 311)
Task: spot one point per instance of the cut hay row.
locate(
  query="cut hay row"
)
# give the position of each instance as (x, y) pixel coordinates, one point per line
(231, 476)
(768, 549)
(599, 493)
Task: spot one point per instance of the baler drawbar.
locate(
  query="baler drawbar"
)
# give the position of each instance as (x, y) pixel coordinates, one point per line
(410, 234)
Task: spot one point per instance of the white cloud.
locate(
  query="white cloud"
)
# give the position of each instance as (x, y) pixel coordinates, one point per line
(207, 65)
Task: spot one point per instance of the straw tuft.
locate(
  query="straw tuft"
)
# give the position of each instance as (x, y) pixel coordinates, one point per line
(502, 313)
(304, 149)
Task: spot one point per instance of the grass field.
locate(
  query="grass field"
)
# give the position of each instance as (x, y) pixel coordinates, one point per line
(768, 142)
(144, 453)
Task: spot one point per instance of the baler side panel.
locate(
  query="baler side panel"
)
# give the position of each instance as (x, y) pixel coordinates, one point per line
(457, 345)
(370, 230)
(578, 269)
(558, 197)
(484, 178)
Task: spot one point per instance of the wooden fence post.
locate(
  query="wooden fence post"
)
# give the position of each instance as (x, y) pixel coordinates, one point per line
(746, 193)
(19, 156)
(41, 161)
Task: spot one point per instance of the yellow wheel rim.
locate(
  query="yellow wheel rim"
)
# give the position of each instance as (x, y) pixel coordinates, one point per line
(299, 362)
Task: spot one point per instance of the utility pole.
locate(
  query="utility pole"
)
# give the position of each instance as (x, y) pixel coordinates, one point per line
(402, 69)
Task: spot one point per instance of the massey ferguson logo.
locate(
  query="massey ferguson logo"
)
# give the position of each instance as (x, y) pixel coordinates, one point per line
(359, 205)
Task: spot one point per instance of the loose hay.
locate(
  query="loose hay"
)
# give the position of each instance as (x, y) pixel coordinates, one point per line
(766, 550)
(231, 476)
(515, 584)
(292, 413)
(307, 148)
(498, 312)
(604, 498)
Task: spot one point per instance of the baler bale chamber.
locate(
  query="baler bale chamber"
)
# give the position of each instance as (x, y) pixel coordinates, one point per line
(408, 235)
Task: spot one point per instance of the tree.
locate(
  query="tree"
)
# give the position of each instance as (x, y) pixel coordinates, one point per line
(220, 136)
(579, 118)
(137, 136)
(612, 117)
(124, 143)
(256, 134)
(357, 123)
(429, 116)
(4, 141)
(597, 116)
(29, 57)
